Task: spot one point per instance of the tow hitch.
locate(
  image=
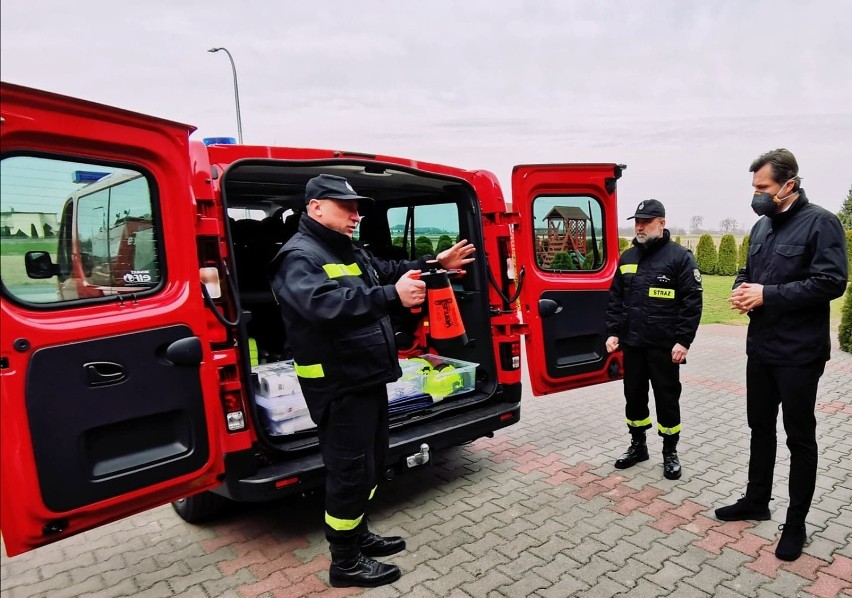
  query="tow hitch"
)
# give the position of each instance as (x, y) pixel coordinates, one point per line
(418, 458)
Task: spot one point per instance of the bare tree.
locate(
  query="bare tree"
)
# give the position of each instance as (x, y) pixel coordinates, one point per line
(696, 224)
(728, 225)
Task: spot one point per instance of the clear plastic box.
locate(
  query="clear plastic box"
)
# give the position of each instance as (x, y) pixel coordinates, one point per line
(444, 377)
(410, 384)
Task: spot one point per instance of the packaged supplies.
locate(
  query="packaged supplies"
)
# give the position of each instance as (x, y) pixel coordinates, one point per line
(279, 399)
(276, 379)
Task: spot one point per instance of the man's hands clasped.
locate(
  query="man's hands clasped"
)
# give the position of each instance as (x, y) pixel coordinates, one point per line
(746, 297)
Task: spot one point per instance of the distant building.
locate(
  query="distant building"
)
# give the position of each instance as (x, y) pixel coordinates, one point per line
(32, 225)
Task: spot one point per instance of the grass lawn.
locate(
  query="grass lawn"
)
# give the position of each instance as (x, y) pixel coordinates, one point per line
(717, 310)
(19, 246)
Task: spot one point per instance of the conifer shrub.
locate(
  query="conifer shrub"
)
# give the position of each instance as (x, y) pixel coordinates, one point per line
(849, 252)
(561, 261)
(844, 333)
(726, 265)
(743, 257)
(705, 255)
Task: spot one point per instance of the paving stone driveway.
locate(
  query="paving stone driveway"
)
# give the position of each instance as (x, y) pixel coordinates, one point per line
(538, 510)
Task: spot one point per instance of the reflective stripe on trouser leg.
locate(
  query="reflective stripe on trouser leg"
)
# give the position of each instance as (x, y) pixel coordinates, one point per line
(668, 431)
(342, 525)
(665, 380)
(636, 389)
(347, 437)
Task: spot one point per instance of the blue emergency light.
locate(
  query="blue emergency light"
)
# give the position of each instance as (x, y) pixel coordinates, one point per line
(88, 176)
(220, 141)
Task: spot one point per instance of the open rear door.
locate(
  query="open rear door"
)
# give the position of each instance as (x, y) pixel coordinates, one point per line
(567, 243)
(110, 402)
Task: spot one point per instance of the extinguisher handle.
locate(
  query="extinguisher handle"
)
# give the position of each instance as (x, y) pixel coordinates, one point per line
(418, 309)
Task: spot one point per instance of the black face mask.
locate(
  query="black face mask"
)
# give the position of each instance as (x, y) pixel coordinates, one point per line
(766, 204)
(763, 204)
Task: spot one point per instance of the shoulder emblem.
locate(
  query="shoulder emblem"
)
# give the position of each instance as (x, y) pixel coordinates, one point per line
(697, 275)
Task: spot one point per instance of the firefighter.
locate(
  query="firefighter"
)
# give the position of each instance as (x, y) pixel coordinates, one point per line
(653, 313)
(334, 298)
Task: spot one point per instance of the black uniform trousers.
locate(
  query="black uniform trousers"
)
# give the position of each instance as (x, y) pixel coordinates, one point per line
(353, 437)
(650, 364)
(794, 388)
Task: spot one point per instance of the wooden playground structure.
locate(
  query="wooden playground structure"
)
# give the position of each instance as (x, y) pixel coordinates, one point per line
(566, 233)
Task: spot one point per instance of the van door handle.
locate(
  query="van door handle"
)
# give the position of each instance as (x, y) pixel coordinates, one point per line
(103, 373)
(185, 351)
(548, 307)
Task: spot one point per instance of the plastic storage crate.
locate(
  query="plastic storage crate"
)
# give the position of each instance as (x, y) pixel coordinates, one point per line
(409, 385)
(444, 377)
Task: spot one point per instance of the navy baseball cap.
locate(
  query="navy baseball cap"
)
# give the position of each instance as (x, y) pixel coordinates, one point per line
(650, 208)
(329, 186)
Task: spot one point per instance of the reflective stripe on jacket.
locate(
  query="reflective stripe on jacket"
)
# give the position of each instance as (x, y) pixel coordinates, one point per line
(656, 296)
(334, 299)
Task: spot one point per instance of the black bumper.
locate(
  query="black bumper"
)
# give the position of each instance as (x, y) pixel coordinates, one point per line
(306, 471)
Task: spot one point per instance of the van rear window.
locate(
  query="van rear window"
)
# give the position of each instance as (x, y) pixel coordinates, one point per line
(569, 233)
(75, 230)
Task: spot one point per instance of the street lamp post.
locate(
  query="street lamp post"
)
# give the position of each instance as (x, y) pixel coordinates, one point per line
(236, 92)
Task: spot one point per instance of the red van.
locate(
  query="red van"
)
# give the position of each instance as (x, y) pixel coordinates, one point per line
(136, 312)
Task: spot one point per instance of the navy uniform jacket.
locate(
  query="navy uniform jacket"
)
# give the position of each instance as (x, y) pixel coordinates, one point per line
(334, 298)
(656, 296)
(799, 256)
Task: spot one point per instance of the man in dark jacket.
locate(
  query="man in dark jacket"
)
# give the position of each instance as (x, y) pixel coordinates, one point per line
(796, 265)
(334, 298)
(653, 313)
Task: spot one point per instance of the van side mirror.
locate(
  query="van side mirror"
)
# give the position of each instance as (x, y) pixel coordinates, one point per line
(39, 265)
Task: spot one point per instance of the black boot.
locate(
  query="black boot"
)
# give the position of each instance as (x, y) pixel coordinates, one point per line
(671, 464)
(793, 538)
(373, 545)
(744, 509)
(349, 567)
(636, 452)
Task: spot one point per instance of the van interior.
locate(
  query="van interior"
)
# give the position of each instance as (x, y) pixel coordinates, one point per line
(265, 199)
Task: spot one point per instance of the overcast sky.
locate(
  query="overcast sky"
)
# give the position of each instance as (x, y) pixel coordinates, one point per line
(685, 93)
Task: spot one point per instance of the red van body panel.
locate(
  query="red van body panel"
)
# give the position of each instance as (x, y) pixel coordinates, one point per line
(131, 387)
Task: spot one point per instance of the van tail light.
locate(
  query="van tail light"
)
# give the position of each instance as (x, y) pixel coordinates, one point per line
(230, 393)
(234, 414)
(210, 279)
(510, 355)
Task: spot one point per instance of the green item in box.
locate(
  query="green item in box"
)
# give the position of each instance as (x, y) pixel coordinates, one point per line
(442, 382)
